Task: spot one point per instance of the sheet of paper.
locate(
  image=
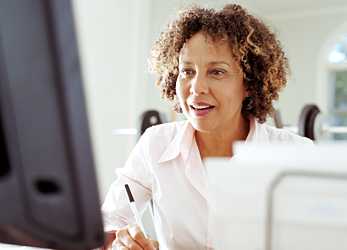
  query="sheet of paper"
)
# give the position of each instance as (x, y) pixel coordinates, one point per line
(309, 197)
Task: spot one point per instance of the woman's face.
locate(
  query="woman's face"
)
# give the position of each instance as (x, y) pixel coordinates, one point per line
(210, 85)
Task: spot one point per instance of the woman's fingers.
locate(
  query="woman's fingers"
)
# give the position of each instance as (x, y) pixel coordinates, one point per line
(132, 238)
(124, 239)
(117, 245)
(136, 233)
(155, 244)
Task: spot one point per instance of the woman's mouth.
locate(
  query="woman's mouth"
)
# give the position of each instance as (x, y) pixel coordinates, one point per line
(201, 110)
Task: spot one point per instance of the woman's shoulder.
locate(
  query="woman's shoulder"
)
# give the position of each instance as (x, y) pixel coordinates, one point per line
(283, 135)
(158, 138)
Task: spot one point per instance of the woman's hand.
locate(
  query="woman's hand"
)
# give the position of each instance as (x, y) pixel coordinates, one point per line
(132, 238)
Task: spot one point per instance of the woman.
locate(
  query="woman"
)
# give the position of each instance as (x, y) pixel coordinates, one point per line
(222, 69)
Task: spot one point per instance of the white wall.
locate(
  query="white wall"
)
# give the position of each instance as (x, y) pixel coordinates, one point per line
(304, 36)
(113, 40)
(161, 13)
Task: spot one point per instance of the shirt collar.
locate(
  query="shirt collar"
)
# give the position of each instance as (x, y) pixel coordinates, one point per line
(181, 143)
(252, 130)
(257, 132)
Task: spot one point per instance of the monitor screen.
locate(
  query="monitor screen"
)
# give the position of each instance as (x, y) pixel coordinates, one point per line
(48, 190)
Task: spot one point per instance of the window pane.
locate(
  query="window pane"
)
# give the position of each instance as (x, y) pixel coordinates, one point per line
(340, 119)
(339, 52)
(340, 102)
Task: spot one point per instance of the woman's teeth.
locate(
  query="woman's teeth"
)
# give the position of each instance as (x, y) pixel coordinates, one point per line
(201, 107)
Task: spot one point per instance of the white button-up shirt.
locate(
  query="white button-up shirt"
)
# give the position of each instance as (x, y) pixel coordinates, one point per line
(165, 166)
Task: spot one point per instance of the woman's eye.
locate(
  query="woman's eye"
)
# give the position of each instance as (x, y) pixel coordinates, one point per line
(217, 72)
(187, 72)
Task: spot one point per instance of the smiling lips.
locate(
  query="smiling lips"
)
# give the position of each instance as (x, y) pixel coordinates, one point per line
(201, 109)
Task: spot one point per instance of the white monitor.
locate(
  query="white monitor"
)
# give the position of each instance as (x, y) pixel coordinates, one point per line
(287, 197)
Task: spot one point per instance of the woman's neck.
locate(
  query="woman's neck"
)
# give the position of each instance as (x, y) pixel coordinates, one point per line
(219, 143)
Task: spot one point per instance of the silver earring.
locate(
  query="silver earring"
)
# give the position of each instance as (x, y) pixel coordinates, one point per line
(249, 103)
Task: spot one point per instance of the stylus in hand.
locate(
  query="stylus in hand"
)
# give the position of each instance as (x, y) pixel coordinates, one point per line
(134, 209)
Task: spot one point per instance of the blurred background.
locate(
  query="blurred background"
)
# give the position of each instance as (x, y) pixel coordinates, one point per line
(115, 38)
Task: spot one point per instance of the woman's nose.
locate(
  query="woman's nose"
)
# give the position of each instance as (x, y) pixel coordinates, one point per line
(198, 85)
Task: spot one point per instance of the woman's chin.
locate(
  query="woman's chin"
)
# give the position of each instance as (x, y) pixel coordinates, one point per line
(202, 126)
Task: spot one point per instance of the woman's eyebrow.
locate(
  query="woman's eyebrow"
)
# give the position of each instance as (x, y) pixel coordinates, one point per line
(186, 62)
(210, 63)
(219, 62)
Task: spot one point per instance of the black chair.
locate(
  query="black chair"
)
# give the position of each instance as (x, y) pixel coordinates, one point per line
(150, 118)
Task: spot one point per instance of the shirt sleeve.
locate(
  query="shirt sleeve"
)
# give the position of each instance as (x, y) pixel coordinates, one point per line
(137, 174)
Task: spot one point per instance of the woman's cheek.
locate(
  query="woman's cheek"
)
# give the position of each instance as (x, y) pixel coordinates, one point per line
(182, 91)
(179, 92)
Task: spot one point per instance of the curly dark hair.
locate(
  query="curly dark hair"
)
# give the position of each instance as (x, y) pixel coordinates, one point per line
(252, 44)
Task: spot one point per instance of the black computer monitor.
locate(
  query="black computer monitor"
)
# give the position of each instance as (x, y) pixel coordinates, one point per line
(48, 189)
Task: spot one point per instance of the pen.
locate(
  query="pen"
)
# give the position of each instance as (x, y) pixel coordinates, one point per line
(134, 209)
